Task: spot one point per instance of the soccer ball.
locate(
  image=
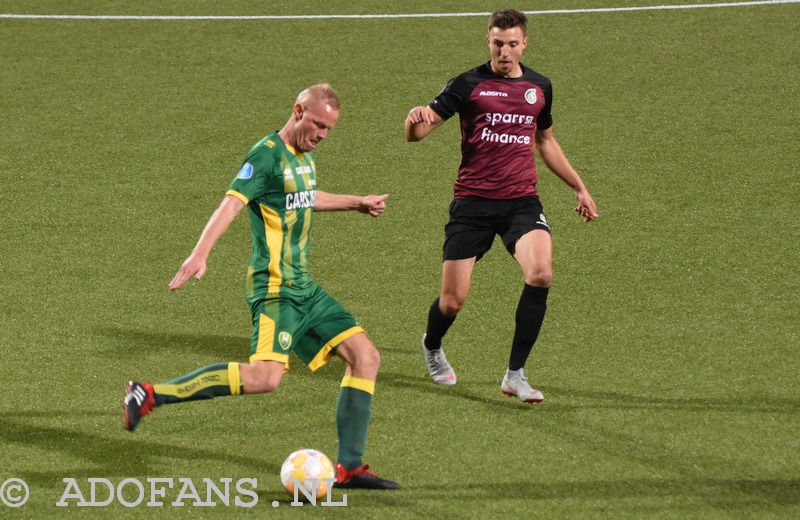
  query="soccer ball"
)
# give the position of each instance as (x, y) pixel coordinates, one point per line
(306, 467)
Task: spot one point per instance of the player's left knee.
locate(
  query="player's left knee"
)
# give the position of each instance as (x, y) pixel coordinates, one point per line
(366, 363)
(261, 376)
(361, 357)
(371, 358)
(540, 278)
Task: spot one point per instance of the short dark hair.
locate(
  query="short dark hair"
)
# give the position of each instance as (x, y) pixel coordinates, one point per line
(507, 19)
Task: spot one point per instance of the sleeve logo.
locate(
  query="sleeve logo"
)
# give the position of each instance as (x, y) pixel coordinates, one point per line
(285, 340)
(246, 172)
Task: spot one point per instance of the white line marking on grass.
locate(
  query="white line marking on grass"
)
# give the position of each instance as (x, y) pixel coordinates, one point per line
(373, 16)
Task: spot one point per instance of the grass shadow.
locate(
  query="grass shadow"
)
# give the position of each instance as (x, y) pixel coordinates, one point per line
(752, 404)
(463, 391)
(132, 342)
(721, 492)
(109, 456)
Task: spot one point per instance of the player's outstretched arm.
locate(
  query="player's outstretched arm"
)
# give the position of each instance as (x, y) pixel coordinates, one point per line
(553, 156)
(195, 265)
(420, 122)
(374, 205)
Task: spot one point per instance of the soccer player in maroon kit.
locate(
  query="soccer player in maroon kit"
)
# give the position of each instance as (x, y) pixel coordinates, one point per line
(504, 108)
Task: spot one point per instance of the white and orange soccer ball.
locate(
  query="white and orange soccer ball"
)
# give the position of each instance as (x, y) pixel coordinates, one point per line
(306, 467)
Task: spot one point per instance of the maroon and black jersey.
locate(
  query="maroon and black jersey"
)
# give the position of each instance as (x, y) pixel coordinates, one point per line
(499, 117)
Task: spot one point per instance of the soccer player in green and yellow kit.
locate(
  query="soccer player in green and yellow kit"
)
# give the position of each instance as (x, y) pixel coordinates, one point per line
(290, 312)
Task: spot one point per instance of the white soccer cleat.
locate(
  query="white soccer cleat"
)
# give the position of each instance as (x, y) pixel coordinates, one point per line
(515, 384)
(440, 370)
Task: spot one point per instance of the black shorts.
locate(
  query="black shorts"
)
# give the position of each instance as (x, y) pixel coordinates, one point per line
(475, 221)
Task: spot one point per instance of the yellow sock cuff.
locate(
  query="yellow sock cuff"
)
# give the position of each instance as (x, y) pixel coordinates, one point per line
(365, 385)
(235, 378)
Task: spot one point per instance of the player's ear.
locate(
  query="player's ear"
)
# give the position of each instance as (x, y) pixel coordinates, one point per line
(298, 111)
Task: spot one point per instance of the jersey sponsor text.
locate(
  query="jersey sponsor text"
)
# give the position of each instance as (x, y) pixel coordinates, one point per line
(301, 199)
(498, 137)
(493, 93)
(514, 119)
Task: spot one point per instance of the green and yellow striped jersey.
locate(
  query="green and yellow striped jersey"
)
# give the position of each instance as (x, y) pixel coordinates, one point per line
(278, 185)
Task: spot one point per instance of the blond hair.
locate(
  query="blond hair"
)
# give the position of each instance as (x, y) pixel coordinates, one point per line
(322, 92)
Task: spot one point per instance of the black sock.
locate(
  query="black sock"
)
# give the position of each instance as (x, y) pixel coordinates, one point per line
(530, 315)
(438, 324)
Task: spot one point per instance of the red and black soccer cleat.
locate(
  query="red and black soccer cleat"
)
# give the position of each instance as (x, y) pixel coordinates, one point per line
(361, 478)
(138, 402)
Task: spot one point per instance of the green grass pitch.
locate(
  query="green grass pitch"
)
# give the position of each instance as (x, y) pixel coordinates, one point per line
(669, 354)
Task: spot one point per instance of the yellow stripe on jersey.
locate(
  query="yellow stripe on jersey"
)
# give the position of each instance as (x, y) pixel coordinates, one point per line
(249, 282)
(272, 356)
(304, 237)
(266, 334)
(266, 338)
(240, 196)
(365, 385)
(294, 152)
(290, 218)
(274, 234)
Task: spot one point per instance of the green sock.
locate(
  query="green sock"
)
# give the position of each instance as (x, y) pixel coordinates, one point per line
(353, 411)
(205, 383)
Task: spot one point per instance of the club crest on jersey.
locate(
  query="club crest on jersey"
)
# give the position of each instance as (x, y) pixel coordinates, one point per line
(285, 340)
(245, 172)
(530, 96)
